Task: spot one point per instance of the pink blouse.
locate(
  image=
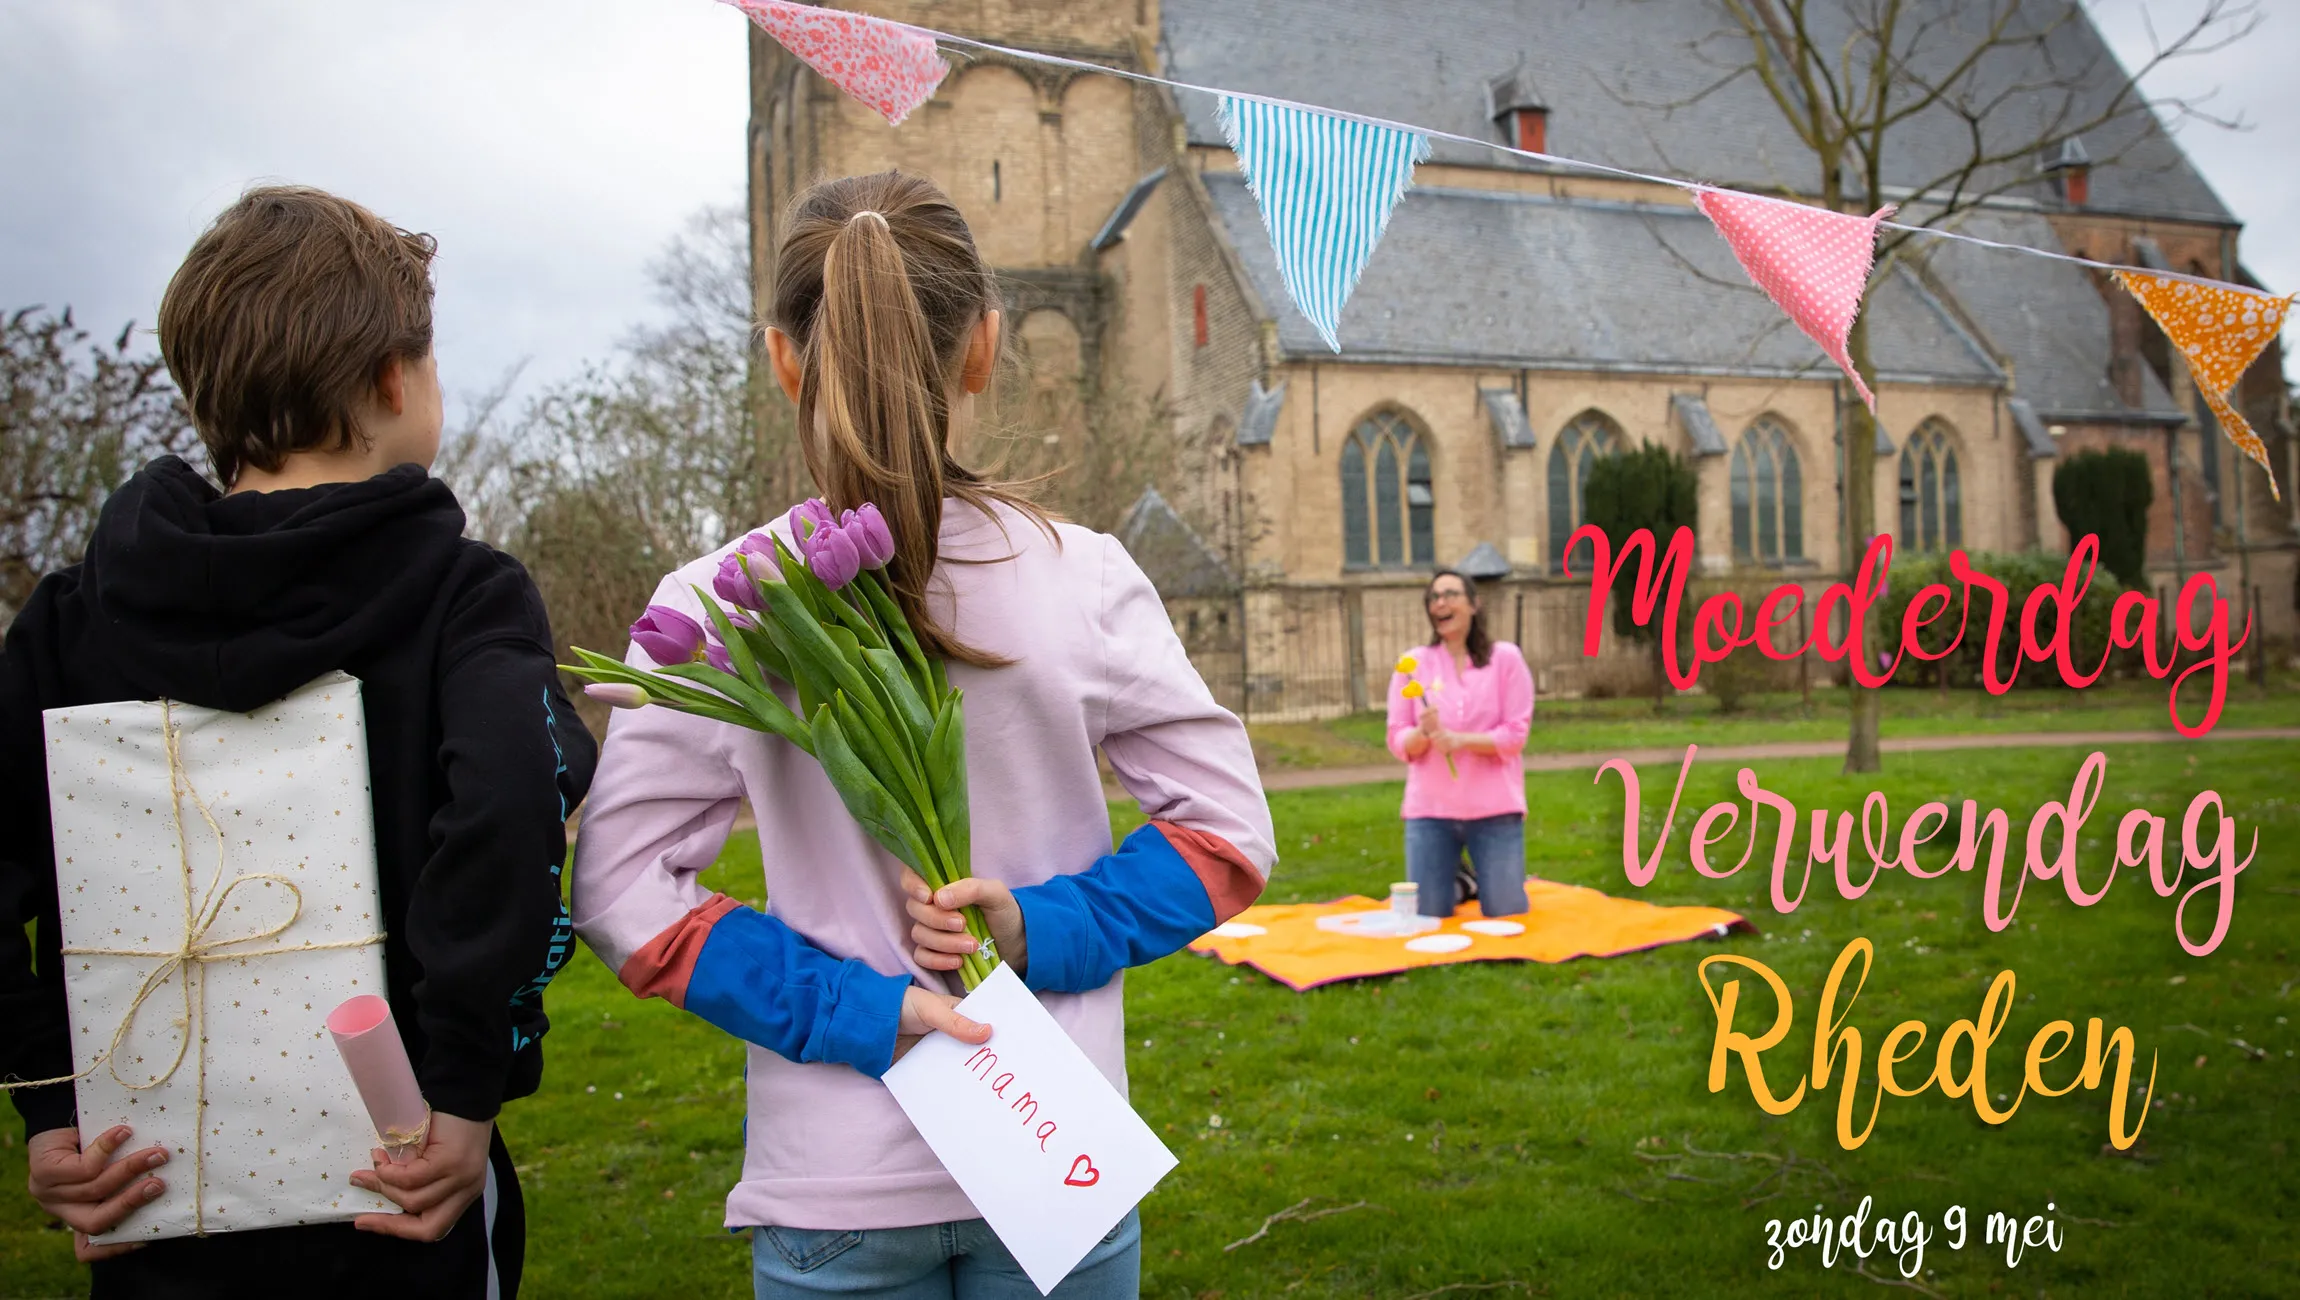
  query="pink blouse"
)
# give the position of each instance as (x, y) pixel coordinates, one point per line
(1497, 700)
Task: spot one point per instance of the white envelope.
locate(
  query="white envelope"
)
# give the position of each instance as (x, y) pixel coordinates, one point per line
(1047, 1150)
(227, 1062)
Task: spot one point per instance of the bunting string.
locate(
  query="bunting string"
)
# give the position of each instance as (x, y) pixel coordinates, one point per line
(1494, 146)
(1326, 180)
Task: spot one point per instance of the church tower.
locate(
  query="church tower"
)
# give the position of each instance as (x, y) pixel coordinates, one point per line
(1037, 158)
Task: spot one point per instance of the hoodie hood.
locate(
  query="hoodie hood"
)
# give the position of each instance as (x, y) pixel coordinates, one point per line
(231, 602)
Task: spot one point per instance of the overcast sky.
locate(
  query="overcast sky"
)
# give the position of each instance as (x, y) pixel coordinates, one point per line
(554, 147)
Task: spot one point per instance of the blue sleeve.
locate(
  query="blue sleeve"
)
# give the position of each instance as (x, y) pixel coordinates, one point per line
(759, 980)
(1131, 907)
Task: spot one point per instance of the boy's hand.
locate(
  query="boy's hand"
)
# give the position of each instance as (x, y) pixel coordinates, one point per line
(924, 1011)
(88, 1190)
(436, 1187)
(940, 932)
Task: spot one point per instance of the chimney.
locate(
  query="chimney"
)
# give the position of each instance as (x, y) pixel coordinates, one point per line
(1517, 108)
(2070, 170)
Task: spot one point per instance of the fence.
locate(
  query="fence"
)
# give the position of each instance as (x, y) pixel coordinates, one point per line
(1295, 653)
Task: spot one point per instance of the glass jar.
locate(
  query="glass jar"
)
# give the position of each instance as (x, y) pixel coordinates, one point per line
(1406, 898)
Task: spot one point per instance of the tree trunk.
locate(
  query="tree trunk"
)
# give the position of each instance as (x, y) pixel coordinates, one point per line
(1860, 525)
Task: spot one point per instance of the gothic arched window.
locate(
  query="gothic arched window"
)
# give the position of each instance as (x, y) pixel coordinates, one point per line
(1932, 498)
(1388, 510)
(1590, 435)
(1768, 495)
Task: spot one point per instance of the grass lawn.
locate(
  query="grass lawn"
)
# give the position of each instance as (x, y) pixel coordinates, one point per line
(1583, 726)
(1528, 1129)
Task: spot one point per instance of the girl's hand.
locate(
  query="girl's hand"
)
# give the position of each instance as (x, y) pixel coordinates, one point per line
(88, 1190)
(1429, 724)
(925, 1011)
(940, 932)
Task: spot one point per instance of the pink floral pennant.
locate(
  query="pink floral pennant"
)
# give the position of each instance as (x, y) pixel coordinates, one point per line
(1812, 262)
(892, 68)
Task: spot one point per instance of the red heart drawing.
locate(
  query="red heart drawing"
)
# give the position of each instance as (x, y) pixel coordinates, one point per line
(1092, 1177)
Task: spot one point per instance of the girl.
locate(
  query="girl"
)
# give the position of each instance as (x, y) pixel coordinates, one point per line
(885, 327)
(1473, 705)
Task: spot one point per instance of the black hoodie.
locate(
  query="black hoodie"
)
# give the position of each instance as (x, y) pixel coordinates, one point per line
(474, 752)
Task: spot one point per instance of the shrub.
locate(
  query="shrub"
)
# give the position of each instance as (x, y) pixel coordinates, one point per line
(2021, 573)
(2106, 493)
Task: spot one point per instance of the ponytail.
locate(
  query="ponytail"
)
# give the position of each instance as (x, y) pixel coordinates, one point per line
(879, 284)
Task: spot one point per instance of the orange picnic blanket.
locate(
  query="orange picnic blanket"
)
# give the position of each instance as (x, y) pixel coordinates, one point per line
(1284, 941)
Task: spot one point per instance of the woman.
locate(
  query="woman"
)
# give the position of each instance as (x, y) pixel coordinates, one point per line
(885, 328)
(1459, 711)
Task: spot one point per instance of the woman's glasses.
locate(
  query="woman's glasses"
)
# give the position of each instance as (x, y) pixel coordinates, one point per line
(1445, 597)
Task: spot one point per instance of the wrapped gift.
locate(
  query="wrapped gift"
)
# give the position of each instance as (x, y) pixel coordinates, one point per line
(216, 874)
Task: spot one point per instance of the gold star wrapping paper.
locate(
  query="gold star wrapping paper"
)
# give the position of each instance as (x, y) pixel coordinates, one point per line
(218, 898)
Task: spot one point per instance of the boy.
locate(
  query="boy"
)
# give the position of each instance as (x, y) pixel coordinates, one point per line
(299, 331)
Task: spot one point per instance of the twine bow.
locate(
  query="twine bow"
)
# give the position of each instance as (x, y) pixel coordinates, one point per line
(185, 964)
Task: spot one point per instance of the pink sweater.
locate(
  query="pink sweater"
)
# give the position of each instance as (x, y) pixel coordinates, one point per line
(1496, 699)
(1097, 664)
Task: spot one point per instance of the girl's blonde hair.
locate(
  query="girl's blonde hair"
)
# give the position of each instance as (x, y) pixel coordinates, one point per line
(879, 286)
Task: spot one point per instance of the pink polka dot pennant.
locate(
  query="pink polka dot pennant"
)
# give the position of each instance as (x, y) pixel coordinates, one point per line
(2221, 330)
(889, 67)
(1813, 263)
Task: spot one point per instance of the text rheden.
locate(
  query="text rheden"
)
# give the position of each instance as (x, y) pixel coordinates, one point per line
(1837, 1044)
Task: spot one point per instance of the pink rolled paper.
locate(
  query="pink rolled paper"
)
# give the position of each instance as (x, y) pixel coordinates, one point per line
(364, 1033)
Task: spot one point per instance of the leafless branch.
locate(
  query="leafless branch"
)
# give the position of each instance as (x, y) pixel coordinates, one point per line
(1293, 1214)
(1911, 1284)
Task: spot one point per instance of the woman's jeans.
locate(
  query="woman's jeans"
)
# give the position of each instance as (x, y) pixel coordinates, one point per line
(936, 1261)
(1496, 848)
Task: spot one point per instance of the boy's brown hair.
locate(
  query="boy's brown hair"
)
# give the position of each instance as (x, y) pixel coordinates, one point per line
(282, 317)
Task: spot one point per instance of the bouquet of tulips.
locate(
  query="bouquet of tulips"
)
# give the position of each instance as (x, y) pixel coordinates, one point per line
(1412, 690)
(873, 709)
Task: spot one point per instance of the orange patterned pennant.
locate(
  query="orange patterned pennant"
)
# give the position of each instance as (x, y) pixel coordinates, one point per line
(2220, 328)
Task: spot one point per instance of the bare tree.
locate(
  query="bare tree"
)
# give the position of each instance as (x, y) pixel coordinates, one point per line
(2009, 83)
(77, 417)
(1088, 449)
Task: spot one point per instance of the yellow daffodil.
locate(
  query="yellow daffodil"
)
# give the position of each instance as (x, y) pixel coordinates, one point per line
(1412, 691)
(1407, 663)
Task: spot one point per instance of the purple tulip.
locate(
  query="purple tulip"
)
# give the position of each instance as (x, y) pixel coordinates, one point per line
(622, 695)
(809, 517)
(759, 545)
(717, 657)
(868, 529)
(832, 556)
(734, 586)
(668, 636)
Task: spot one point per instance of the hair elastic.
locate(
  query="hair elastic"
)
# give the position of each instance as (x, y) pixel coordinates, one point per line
(874, 215)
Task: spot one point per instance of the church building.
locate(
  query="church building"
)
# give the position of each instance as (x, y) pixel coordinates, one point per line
(1519, 321)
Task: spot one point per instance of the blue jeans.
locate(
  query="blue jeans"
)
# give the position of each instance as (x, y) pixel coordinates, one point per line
(1496, 848)
(935, 1261)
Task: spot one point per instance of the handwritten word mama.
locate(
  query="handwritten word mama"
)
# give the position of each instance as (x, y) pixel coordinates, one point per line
(2139, 839)
(983, 1063)
(1835, 1043)
(1721, 625)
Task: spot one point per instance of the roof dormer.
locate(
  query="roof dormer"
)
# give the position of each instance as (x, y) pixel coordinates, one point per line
(1518, 109)
(2069, 168)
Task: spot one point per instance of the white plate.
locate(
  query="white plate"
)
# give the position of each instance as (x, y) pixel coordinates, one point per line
(1497, 929)
(1438, 943)
(1237, 930)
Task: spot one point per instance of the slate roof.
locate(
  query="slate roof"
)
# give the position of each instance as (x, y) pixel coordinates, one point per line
(1169, 551)
(1607, 70)
(1517, 280)
(2046, 317)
